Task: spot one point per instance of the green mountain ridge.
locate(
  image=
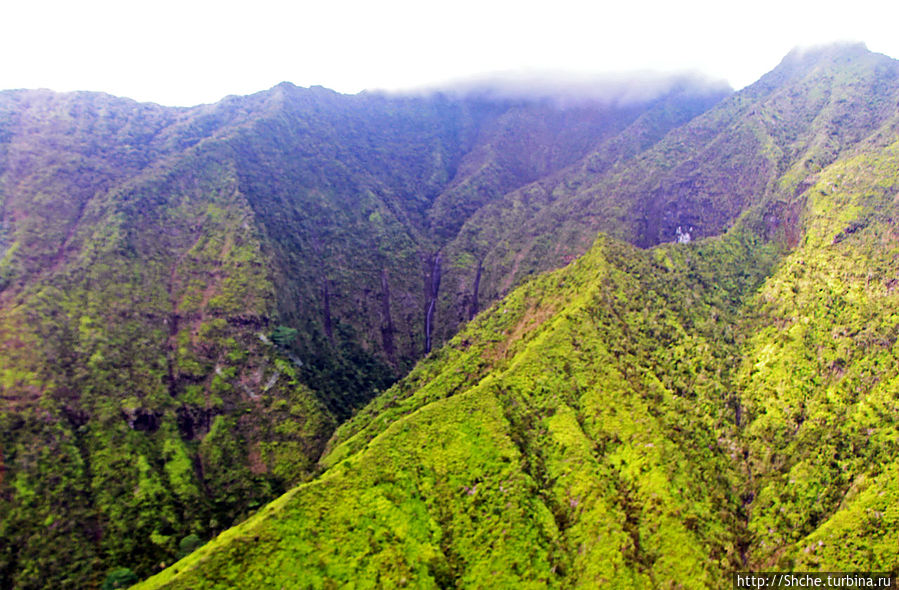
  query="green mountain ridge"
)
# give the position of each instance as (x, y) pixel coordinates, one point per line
(231, 283)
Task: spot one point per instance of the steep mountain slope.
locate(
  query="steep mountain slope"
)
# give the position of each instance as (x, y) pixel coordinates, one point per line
(132, 376)
(567, 456)
(192, 299)
(639, 418)
(819, 375)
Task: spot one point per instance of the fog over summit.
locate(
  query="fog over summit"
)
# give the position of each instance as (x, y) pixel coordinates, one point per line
(616, 88)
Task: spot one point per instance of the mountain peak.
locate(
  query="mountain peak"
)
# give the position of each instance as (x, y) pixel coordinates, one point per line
(802, 62)
(832, 53)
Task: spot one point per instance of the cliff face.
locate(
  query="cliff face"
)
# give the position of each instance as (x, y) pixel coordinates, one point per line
(192, 299)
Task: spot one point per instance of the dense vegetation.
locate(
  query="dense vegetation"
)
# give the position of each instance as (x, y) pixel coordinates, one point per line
(184, 332)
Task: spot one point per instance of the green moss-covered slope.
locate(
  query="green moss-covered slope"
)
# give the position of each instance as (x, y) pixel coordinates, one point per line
(818, 378)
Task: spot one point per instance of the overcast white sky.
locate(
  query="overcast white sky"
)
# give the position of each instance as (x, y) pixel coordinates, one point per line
(183, 52)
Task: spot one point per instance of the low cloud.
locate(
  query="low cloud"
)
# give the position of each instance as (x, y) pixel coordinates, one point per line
(572, 88)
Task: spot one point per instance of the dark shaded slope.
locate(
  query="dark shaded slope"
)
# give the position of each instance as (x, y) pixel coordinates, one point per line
(527, 142)
(359, 219)
(358, 195)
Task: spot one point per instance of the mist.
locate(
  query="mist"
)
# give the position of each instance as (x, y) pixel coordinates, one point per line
(568, 88)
